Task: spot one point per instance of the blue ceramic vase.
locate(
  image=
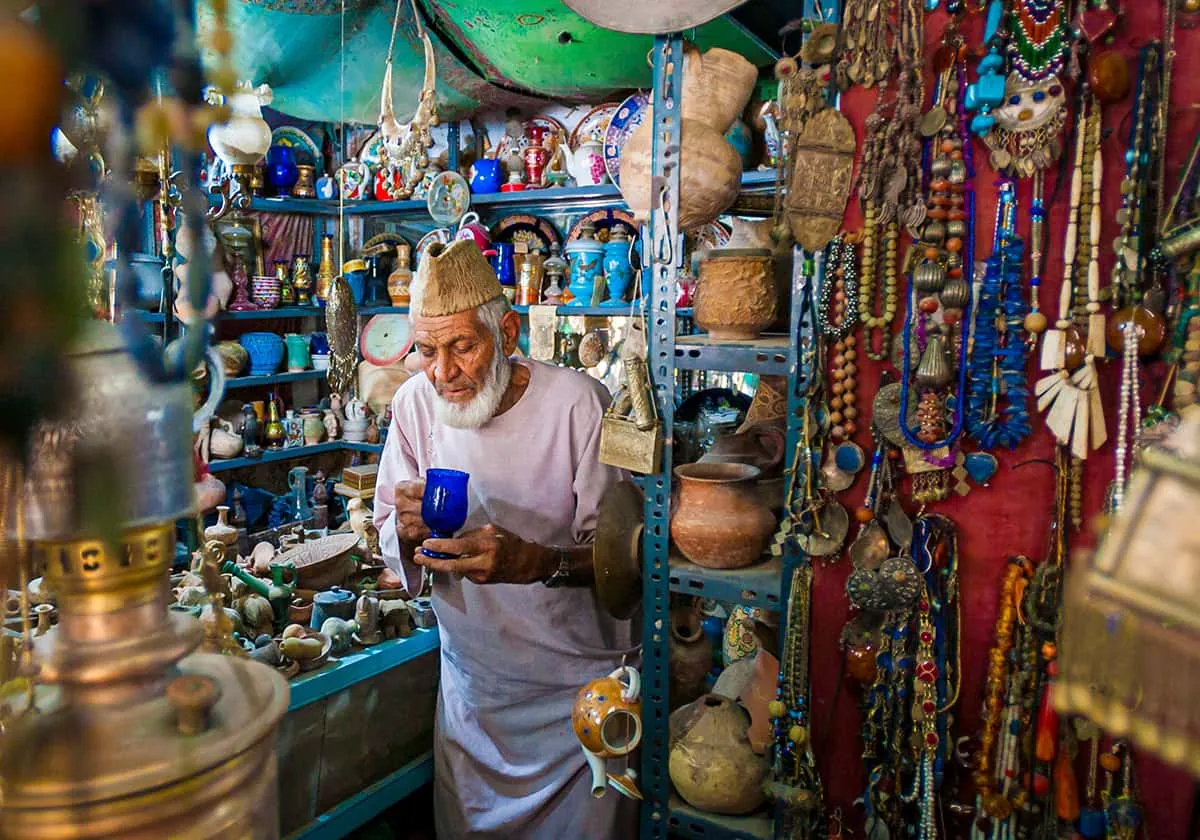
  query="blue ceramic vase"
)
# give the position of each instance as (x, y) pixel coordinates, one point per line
(282, 171)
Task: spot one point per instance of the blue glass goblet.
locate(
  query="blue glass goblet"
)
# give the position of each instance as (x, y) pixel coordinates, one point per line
(444, 506)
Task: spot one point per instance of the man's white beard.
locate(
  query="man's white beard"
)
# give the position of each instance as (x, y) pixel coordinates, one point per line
(483, 405)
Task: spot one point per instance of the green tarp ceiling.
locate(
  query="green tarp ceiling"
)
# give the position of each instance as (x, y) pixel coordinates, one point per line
(324, 59)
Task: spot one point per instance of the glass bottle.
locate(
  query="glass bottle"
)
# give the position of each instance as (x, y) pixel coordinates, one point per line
(529, 284)
(274, 433)
(555, 269)
(325, 271)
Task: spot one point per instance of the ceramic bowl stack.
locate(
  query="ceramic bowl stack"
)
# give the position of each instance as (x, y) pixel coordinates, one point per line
(319, 343)
(266, 352)
(265, 291)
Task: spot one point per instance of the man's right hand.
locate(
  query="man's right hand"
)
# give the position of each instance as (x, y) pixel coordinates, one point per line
(410, 528)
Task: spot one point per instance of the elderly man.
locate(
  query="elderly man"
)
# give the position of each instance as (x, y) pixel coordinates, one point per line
(520, 626)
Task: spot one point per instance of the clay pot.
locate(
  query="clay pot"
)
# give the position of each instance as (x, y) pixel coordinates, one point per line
(691, 656)
(735, 295)
(711, 762)
(710, 173)
(756, 233)
(720, 522)
(716, 86)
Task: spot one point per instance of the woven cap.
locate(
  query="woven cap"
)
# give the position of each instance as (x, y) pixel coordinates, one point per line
(451, 279)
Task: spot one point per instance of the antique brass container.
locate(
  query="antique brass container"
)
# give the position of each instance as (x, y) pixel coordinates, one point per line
(137, 739)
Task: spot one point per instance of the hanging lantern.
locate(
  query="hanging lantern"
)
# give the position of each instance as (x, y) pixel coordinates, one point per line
(141, 739)
(1130, 652)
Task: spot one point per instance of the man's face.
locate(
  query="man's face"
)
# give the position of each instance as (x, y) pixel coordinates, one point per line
(459, 355)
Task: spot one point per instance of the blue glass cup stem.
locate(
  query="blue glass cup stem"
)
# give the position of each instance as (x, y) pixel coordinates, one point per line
(444, 506)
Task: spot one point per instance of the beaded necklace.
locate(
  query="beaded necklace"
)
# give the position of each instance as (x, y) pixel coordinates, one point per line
(997, 393)
(795, 781)
(837, 315)
(939, 303)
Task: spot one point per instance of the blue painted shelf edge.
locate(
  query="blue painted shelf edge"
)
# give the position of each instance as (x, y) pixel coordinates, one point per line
(273, 378)
(369, 802)
(269, 455)
(360, 665)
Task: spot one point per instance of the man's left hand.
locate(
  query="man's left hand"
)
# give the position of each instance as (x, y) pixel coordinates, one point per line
(488, 555)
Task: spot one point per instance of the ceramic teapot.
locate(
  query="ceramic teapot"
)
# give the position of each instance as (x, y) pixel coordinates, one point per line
(607, 719)
(245, 138)
(586, 164)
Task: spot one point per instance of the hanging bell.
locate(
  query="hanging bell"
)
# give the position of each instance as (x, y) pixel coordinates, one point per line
(929, 277)
(933, 373)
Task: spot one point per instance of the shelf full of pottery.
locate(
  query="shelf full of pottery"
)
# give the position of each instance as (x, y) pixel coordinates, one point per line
(299, 596)
(244, 434)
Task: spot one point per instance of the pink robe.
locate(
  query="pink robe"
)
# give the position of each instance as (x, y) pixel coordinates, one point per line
(507, 763)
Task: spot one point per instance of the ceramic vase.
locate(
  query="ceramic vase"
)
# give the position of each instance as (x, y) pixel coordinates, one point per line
(298, 356)
(711, 762)
(400, 279)
(314, 428)
(585, 256)
(735, 296)
(618, 273)
(302, 279)
(720, 522)
(535, 156)
(224, 533)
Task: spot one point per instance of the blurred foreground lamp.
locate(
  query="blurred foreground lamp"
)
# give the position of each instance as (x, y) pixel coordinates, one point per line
(1130, 652)
(140, 739)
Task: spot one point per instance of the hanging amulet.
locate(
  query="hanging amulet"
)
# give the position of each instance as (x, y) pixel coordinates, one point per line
(1149, 329)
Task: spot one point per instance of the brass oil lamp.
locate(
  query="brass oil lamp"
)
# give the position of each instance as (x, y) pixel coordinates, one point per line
(138, 737)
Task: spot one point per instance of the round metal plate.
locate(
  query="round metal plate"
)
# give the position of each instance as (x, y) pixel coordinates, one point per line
(617, 550)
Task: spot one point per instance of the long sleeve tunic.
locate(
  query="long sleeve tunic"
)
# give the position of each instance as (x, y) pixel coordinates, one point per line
(507, 763)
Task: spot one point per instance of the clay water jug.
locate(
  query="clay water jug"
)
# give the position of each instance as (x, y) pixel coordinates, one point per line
(691, 655)
(719, 521)
(711, 762)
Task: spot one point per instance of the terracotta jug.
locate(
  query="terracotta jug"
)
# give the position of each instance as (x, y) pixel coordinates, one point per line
(720, 522)
(607, 719)
(711, 762)
(691, 655)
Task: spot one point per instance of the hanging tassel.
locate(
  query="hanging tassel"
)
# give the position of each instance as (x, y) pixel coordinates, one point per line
(1066, 787)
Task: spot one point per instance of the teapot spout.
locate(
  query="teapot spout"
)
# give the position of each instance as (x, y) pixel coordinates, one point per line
(599, 775)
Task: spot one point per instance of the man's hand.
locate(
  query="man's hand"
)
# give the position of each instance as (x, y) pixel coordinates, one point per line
(489, 555)
(410, 527)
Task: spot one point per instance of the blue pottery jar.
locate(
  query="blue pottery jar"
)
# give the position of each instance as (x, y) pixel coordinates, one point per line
(282, 170)
(266, 352)
(617, 270)
(486, 176)
(585, 256)
(502, 262)
(319, 342)
(326, 188)
(354, 272)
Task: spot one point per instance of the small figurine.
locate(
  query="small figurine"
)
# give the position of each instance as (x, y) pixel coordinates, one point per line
(332, 426)
(366, 615)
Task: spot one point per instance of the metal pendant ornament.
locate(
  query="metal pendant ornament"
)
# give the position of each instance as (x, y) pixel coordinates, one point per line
(822, 165)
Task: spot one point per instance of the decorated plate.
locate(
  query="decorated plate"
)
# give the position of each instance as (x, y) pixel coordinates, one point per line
(382, 242)
(508, 145)
(449, 198)
(522, 227)
(629, 115)
(593, 124)
(303, 148)
(386, 339)
(437, 235)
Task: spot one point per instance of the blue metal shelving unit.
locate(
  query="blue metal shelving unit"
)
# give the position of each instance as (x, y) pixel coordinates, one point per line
(286, 454)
